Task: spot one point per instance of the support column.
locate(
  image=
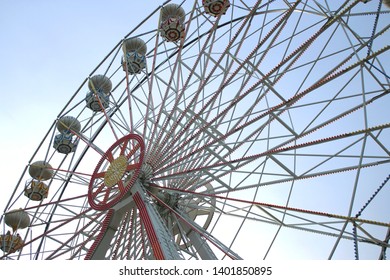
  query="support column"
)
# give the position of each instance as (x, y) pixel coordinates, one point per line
(109, 228)
(194, 232)
(201, 246)
(161, 241)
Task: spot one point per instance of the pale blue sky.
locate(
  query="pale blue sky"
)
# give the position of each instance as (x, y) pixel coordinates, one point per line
(47, 49)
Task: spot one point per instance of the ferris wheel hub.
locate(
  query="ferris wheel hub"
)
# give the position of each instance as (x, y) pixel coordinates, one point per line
(146, 174)
(115, 171)
(166, 198)
(111, 184)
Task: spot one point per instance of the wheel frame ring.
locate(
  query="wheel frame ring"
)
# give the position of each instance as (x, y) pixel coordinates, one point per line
(105, 205)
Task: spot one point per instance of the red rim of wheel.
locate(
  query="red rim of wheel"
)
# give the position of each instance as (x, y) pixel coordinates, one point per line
(109, 185)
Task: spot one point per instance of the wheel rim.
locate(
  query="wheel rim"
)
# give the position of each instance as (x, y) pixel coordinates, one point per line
(109, 185)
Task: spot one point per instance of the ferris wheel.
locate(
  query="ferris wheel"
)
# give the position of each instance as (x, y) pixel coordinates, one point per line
(219, 129)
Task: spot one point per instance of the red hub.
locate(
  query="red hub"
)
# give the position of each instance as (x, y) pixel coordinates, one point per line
(116, 172)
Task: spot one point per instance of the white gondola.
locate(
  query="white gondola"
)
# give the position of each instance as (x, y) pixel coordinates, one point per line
(172, 22)
(35, 189)
(64, 142)
(17, 219)
(41, 171)
(98, 97)
(216, 7)
(134, 60)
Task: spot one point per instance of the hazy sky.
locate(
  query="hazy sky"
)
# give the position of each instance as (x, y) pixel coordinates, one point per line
(47, 49)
